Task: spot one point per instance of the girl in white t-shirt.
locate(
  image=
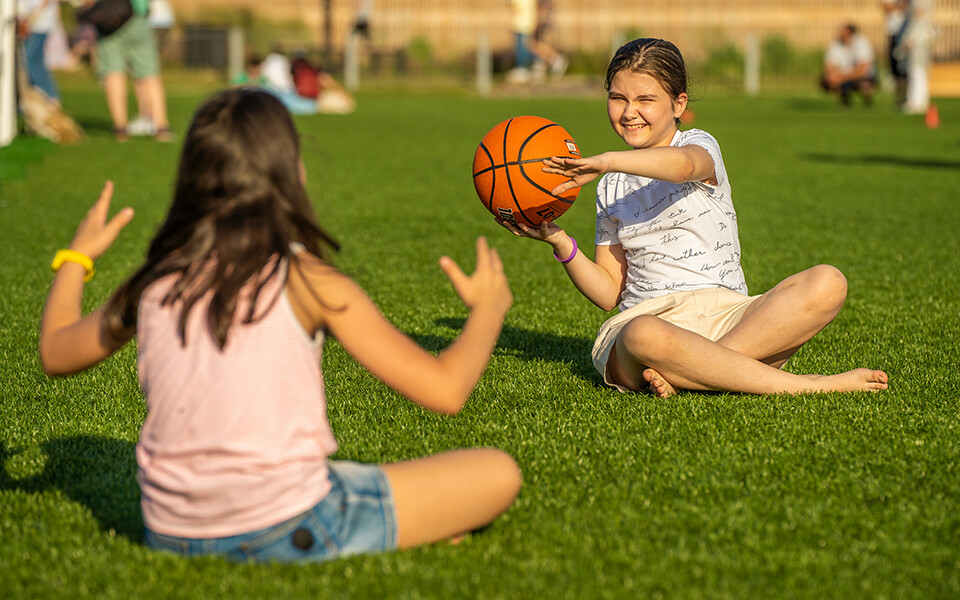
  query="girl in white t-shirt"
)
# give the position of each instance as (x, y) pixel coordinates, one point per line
(668, 253)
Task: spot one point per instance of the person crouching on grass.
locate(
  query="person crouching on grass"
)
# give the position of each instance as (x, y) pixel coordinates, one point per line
(668, 252)
(230, 310)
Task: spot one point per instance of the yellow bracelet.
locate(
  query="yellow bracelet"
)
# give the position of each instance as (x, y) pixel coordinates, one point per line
(80, 258)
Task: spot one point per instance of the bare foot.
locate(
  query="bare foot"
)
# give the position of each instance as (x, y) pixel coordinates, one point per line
(658, 385)
(857, 380)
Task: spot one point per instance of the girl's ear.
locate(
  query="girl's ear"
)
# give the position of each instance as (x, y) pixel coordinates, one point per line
(679, 106)
(303, 172)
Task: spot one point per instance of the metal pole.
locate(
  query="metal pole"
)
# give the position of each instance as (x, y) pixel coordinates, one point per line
(751, 67)
(484, 65)
(8, 96)
(351, 62)
(327, 36)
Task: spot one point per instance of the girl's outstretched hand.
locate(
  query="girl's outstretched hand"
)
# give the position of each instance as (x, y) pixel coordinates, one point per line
(548, 231)
(579, 170)
(95, 234)
(487, 286)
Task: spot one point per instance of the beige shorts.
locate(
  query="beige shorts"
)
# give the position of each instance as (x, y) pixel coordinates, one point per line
(709, 312)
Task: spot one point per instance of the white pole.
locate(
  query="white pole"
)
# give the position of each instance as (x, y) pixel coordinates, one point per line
(484, 65)
(8, 100)
(236, 62)
(351, 62)
(751, 66)
(619, 39)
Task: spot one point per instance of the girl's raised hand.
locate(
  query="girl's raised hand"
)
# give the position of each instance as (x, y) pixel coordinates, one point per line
(487, 286)
(95, 234)
(579, 170)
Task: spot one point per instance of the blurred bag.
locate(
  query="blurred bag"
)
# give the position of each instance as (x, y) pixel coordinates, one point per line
(106, 15)
(306, 79)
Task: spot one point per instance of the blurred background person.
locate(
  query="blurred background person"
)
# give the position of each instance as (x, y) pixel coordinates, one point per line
(849, 66)
(547, 56)
(35, 20)
(302, 87)
(523, 23)
(133, 48)
(916, 43)
(895, 23)
(160, 19)
(361, 18)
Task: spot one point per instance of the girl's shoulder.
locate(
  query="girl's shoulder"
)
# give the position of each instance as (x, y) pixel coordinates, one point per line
(695, 136)
(315, 288)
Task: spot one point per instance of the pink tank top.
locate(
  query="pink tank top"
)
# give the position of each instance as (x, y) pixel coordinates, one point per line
(234, 440)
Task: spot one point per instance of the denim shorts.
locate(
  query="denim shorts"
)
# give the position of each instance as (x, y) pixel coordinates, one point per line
(356, 517)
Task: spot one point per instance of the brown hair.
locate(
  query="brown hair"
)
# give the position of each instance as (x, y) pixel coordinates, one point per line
(657, 58)
(238, 205)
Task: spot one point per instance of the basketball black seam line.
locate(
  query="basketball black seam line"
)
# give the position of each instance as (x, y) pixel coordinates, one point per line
(506, 132)
(522, 172)
(493, 183)
(507, 164)
(543, 189)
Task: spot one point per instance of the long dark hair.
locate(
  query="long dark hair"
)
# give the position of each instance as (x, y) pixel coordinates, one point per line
(238, 206)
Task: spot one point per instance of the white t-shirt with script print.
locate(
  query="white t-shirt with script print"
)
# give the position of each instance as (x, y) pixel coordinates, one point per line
(677, 236)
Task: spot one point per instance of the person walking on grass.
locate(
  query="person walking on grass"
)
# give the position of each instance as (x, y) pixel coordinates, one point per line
(668, 252)
(230, 310)
(133, 48)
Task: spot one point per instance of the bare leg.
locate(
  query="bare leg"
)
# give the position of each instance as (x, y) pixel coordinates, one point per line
(787, 316)
(153, 88)
(780, 321)
(143, 99)
(690, 361)
(115, 90)
(446, 495)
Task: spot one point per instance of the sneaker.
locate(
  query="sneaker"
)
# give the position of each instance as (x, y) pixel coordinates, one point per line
(518, 75)
(141, 126)
(539, 72)
(558, 66)
(163, 134)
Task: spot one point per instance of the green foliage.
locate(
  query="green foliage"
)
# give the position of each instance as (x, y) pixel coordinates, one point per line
(589, 62)
(625, 496)
(421, 52)
(723, 64)
(780, 58)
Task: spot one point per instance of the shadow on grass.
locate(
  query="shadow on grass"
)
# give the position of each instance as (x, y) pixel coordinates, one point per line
(528, 345)
(24, 150)
(881, 159)
(820, 104)
(93, 124)
(98, 472)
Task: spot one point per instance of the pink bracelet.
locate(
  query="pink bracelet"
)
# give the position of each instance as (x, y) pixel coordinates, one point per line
(572, 254)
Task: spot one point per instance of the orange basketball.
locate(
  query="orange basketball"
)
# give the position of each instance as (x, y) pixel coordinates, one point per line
(508, 175)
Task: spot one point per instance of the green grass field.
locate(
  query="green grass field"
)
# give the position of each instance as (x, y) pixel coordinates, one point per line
(625, 496)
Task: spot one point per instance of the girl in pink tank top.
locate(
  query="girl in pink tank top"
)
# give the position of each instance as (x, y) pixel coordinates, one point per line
(230, 308)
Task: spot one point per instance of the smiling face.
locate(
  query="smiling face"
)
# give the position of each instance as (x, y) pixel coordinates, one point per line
(641, 112)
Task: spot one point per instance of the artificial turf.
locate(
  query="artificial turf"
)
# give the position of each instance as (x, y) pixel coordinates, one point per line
(625, 495)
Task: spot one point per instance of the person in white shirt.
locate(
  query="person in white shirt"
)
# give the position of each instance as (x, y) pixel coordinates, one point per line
(849, 66)
(915, 45)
